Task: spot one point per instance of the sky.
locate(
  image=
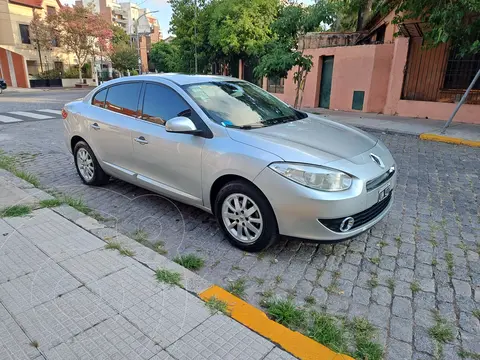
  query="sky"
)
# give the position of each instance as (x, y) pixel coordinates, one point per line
(164, 10)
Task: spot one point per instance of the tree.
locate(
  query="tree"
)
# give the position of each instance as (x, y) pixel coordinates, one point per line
(41, 35)
(124, 57)
(455, 21)
(81, 32)
(119, 36)
(284, 51)
(165, 57)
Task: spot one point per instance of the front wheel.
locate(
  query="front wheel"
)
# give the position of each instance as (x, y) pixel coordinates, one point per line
(246, 217)
(87, 165)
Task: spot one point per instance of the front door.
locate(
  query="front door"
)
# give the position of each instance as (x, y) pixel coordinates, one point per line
(326, 81)
(166, 162)
(109, 122)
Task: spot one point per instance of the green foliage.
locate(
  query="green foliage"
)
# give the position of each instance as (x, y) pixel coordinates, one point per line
(119, 36)
(216, 305)
(165, 57)
(237, 287)
(50, 74)
(456, 22)
(9, 163)
(442, 331)
(49, 203)
(285, 312)
(168, 276)
(124, 57)
(15, 210)
(190, 261)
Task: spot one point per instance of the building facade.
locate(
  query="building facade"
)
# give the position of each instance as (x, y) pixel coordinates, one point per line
(375, 71)
(15, 18)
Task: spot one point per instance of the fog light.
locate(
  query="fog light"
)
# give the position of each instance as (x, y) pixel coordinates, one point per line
(346, 224)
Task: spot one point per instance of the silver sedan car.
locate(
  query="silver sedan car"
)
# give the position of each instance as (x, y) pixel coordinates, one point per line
(232, 149)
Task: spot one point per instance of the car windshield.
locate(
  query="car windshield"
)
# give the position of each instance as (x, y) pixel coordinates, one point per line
(241, 104)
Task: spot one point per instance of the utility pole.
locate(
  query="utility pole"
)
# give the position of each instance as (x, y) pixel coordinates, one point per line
(195, 39)
(138, 40)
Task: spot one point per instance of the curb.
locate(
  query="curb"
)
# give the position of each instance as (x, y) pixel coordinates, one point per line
(256, 320)
(449, 140)
(293, 342)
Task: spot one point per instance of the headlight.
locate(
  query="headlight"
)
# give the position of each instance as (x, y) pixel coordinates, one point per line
(312, 176)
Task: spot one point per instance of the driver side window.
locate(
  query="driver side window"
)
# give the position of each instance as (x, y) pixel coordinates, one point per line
(162, 103)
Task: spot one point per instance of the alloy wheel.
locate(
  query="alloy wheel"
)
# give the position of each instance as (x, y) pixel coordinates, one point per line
(85, 164)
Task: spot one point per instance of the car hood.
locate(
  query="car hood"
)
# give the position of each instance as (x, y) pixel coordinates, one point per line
(313, 140)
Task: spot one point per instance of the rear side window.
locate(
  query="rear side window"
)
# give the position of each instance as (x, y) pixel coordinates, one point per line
(123, 98)
(99, 98)
(162, 103)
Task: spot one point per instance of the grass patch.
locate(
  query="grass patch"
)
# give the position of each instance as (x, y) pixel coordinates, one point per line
(236, 267)
(216, 305)
(140, 236)
(450, 263)
(391, 284)
(285, 312)
(464, 354)
(442, 331)
(476, 313)
(237, 287)
(260, 255)
(278, 279)
(168, 277)
(77, 204)
(434, 262)
(259, 281)
(373, 282)
(333, 287)
(112, 245)
(190, 261)
(50, 203)
(126, 252)
(16, 210)
(433, 242)
(415, 287)
(9, 163)
(382, 244)
(310, 300)
(398, 240)
(159, 247)
(462, 246)
(375, 260)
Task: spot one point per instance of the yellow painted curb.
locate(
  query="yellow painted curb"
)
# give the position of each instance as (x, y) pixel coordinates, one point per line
(292, 341)
(450, 140)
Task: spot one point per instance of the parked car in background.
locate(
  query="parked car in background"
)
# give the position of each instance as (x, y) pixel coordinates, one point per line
(3, 85)
(224, 145)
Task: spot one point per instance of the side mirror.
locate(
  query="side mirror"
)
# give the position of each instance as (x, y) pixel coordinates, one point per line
(182, 125)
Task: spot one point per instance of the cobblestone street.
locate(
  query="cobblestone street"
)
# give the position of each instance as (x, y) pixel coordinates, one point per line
(423, 256)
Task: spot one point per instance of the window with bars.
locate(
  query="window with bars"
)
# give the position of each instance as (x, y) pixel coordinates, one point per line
(276, 85)
(24, 33)
(461, 71)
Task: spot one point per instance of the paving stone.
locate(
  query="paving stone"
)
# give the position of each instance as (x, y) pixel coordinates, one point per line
(382, 295)
(348, 272)
(424, 318)
(114, 338)
(14, 343)
(404, 274)
(337, 304)
(361, 296)
(220, 337)
(424, 300)
(379, 315)
(402, 307)
(402, 289)
(445, 294)
(59, 319)
(357, 310)
(462, 288)
(278, 354)
(469, 323)
(423, 341)
(401, 329)
(399, 350)
(28, 291)
(426, 284)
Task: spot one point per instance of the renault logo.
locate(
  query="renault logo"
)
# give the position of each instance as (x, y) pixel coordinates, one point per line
(346, 224)
(377, 160)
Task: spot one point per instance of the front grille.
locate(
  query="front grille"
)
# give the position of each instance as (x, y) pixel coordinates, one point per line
(361, 218)
(382, 179)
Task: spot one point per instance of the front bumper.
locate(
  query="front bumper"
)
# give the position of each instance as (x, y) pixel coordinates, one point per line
(305, 213)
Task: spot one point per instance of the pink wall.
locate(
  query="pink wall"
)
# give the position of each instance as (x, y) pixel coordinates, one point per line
(468, 113)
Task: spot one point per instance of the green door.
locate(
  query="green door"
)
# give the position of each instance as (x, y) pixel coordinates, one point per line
(326, 81)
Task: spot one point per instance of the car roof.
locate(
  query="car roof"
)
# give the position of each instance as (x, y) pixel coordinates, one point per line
(179, 79)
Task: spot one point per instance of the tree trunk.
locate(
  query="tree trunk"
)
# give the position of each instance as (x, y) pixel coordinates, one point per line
(80, 72)
(299, 82)
(302, 89)
(40, 56)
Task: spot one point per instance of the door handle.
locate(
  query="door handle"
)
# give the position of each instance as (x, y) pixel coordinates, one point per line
(141, 140)
(95, 126)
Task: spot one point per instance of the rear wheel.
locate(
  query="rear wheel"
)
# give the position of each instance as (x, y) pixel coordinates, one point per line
(246, 217)
(87, 165)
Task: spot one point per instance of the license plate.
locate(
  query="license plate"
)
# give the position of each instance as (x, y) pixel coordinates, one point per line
(384, 192)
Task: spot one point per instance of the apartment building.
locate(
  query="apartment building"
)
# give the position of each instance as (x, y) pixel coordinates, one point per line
(128, 15)
(15, 18)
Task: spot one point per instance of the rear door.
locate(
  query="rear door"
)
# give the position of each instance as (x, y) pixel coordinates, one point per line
(167, 162)
(109, 127)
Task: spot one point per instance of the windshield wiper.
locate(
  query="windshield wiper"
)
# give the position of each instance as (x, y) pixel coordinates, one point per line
(244, 127)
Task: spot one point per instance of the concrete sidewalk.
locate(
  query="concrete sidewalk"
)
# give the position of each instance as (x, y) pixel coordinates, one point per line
(64, 296)
(412, 126)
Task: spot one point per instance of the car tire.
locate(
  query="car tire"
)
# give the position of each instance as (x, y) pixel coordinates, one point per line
(266, 234)
(83, 154)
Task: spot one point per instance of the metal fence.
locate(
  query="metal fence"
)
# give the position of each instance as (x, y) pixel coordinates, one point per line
(439, 74)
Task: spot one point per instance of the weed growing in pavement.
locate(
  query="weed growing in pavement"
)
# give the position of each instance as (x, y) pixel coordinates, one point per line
(354, 337)
(462, 246)
(50, 203)
(260, 255)
(464, 354)
(112, 245)
(441, 332)
(190, 261)
(398, 240)
(9, 163)
(76, 203)
(476, 313)
(373, 282)
(415, 287)
(216, 305)
(140, 236)
(168, 277)
(310, 300)
(278, 279)
(237, 287)
(433, 242)
(126, 252)
(450, 263)
(215, 264)
(159, 247)
(259, 281)
(391, 284)
(375, 260)
(333, 287)
(236, 267)
(434, 262)
(382, 244)
(35, 344)
(16, 210)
